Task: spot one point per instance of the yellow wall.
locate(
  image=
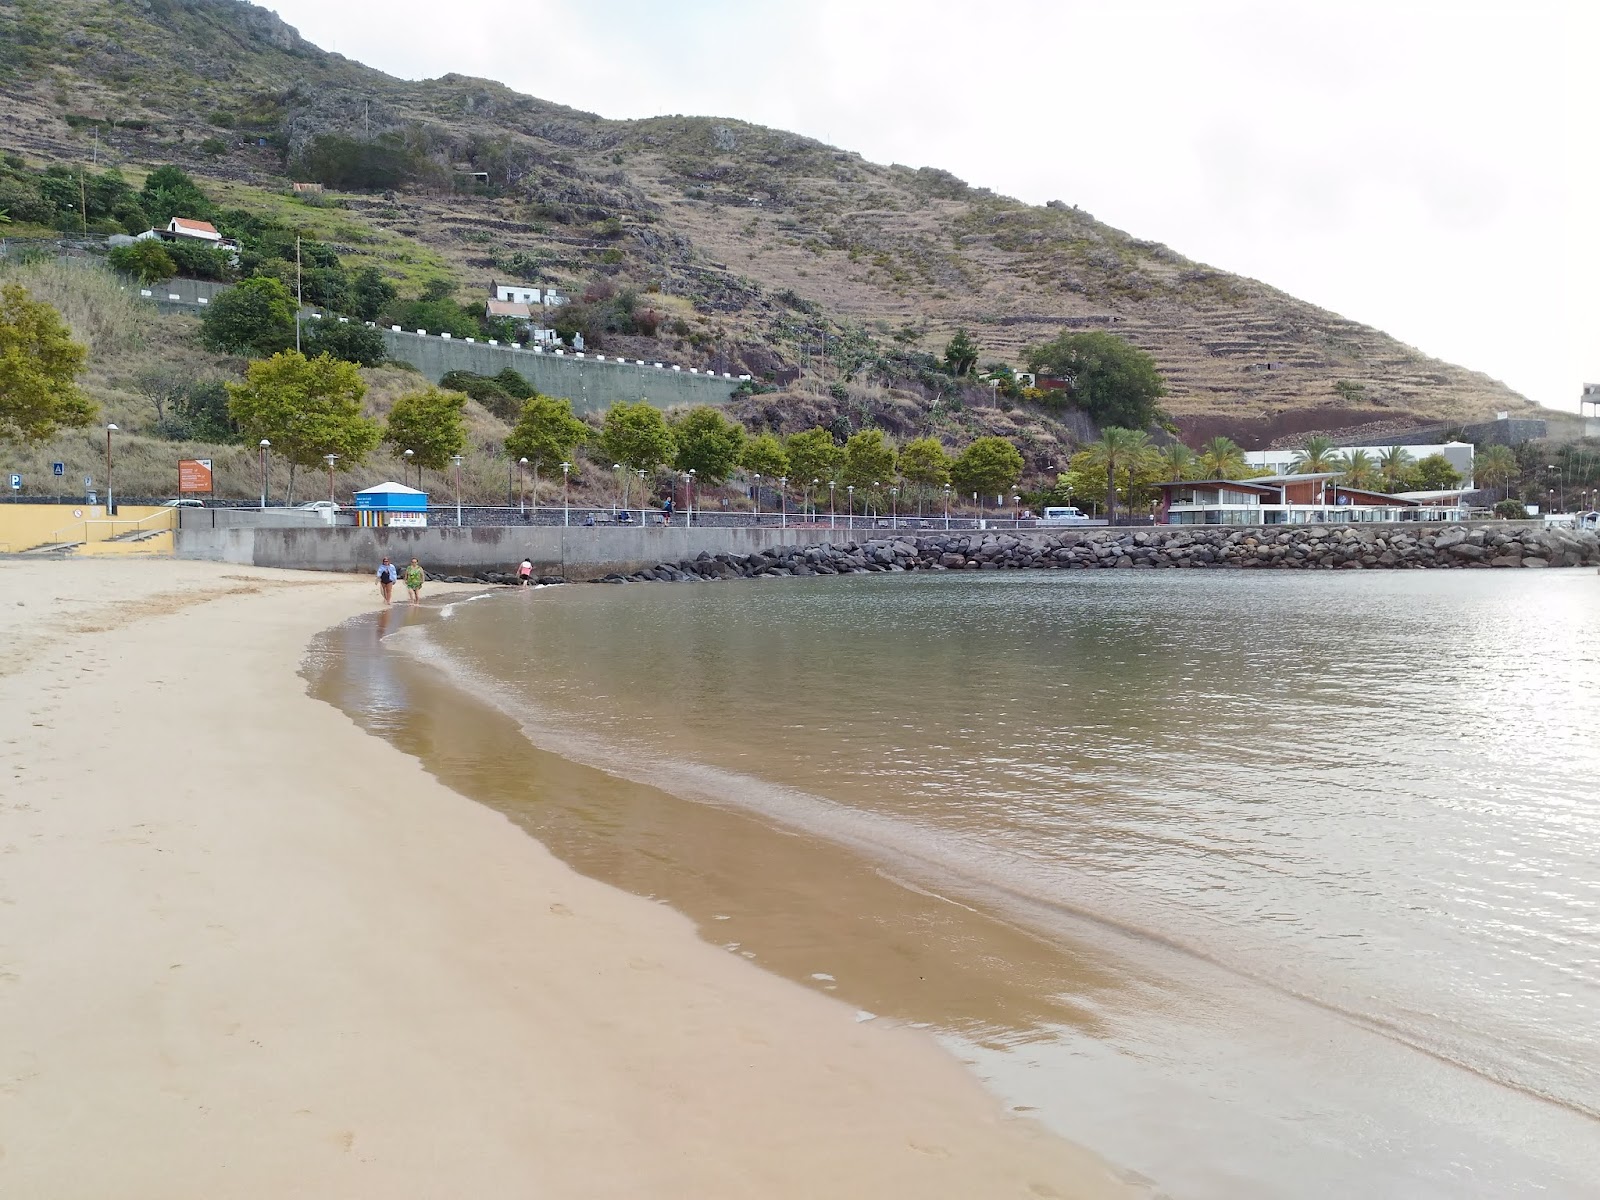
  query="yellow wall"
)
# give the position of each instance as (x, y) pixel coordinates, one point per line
(24, 526)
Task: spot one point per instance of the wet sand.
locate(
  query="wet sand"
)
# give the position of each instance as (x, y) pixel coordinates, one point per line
(248, 950)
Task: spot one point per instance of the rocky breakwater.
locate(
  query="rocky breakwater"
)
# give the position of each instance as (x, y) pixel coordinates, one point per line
(1326, 547)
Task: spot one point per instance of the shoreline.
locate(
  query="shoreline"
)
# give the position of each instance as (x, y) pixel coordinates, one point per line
(249, 949)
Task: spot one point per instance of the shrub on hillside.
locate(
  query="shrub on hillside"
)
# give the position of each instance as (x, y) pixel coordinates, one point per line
(255, 317)
(346, 340)
(146, 261)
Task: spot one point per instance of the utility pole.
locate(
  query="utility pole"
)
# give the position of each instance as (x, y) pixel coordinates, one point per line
(299, 294)
(83, 203)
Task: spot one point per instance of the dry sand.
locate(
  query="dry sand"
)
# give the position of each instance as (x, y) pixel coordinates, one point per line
(247, 950)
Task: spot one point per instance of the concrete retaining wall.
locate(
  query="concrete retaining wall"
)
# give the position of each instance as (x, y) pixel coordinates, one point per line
(576, 553)
(591, 383)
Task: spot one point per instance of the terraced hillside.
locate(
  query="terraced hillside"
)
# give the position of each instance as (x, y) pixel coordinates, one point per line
(765, 249)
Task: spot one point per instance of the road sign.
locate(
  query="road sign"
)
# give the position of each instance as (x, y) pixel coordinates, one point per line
(88, 481)
(58, 469)
(16, 483)
(194, 475)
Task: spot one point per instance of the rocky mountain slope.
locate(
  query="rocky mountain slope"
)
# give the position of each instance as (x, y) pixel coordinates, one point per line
(773, 248)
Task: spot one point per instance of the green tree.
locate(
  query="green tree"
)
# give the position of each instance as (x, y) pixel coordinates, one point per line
(636, 435)
(431, 424)
(868, 459)
(765, 455)
(709, 444)
(1110, 379)
(347, 340)
(988, 466)
(370, 294)
(1222, 458)
(1316, 456)
(147, 261)
(1358, 470)
(1434, 474)
(960, 355)
(1496, 466)
(813, 455)
(39, 367)
(1178, 462)
(924, 466)
(1394, 463)
(307, 408)
(168, 193)
(256, 316)
(546, 434)
(1125, 448)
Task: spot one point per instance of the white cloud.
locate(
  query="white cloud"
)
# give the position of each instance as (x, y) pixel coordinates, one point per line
(1422, 167)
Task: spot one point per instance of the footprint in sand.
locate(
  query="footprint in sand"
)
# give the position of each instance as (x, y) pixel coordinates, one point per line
(560, 910)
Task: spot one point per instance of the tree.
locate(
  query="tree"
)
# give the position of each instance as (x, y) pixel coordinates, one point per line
(546, 434)
(1496, 466)
(1222, 458)
(1358, 469)
(39, 367)
(1316, 456)
(1177, 461)
(370, 294)
(147, 261)
(709, 444)
(1394, 463)
(307, 408)
(813, 455)
(347, 340)
(765, 455)
(1126, 448)
(868, 459)
(1110, 379)
(636, 435)
(168, 193)
(960, 355)
(431, 424)
(989, 466)
(925, 466)
(1434, 474)
(256, 316)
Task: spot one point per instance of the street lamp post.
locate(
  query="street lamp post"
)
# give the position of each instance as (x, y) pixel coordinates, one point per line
(758, 497)
(947, 507)
(876, 512)
(265, 449)
(850, 503)
(894, 508)
(566, 498)
(457, 459)
(522, 485)
(330, 459)
(815, 484)
(409, 455)
(832, 483)
(688, 512)
(640, 474)
(623, 477)
(111, 504)
(783, 501)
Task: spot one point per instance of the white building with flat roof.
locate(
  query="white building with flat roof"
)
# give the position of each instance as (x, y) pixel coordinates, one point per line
(1459, 455)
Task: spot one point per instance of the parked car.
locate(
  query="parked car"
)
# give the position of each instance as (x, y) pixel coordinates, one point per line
(1063, 516)
(183, 502)
(321, 505)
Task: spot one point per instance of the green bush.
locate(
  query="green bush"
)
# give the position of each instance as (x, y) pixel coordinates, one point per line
(487, 391)
(1511, 510)
(346, 340)
(147, 261)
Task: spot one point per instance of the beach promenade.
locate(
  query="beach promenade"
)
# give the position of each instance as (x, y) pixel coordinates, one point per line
(247, 950)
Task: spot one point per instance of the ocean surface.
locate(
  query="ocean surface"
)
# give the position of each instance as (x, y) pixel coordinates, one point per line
(1257, 884)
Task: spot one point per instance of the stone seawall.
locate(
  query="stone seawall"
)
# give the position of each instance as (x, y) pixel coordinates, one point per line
(1395, 547)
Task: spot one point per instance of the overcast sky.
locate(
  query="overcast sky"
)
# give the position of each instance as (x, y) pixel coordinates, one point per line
(1415, 166)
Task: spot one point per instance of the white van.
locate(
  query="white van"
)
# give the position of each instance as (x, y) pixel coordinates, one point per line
(1063, 516)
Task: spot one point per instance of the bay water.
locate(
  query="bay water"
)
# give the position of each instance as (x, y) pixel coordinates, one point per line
(1258, 884)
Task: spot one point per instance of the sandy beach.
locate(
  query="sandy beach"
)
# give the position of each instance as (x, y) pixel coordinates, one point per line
(248, 950)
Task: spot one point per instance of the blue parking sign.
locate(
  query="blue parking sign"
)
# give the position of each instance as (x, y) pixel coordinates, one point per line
(58, 469)
(16, 483)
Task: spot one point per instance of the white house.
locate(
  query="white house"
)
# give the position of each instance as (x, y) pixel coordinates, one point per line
(202, 231)
(527, 293)
(1460, 455)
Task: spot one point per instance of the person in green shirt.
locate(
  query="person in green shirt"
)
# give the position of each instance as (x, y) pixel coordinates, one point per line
(414, 579)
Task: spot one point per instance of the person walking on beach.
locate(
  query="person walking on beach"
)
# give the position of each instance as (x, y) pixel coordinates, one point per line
(388, 576)
(414, 579)
(525, 573)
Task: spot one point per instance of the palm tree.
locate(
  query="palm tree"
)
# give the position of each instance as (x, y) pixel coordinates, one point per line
(1222, 458)
(1117, 447)
(1316, 456)
(1393, 463)
(1358, 469)
(1177, 461)
(1496, 465)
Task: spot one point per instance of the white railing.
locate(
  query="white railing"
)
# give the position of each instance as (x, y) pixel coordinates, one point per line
(128, 524)
(1310, 514)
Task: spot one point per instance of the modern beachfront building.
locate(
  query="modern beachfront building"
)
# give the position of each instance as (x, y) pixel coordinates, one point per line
(1297, 500)
(1458, 454)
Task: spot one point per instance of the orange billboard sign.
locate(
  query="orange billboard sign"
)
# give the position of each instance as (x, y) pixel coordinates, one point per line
(194, 475)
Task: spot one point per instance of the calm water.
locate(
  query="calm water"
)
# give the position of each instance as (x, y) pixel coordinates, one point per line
(1259, 885)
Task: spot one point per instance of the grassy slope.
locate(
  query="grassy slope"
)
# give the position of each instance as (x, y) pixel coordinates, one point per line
(720, 215)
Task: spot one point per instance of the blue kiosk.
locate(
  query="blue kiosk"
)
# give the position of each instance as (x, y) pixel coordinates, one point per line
(391, 505)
